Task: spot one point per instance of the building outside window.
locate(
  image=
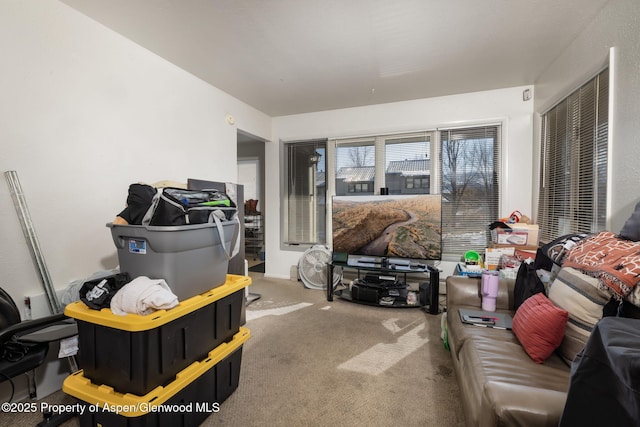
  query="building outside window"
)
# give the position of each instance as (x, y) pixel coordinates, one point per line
(355, 167)
(407, 161)
(414, 183)
(360, 187)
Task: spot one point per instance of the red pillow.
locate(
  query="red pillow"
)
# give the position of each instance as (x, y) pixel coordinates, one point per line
(539, 326)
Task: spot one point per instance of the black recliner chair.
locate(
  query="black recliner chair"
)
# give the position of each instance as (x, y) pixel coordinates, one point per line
(24, 344)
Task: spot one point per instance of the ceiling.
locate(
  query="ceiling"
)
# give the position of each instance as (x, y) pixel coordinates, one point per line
(294, 56)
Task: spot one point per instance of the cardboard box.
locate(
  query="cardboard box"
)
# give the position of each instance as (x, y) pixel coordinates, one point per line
(527, 252)
(492, 256)
(516, 235)
(527, 248)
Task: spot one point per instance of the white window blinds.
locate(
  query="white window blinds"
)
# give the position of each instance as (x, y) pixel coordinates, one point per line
(470, 187)
(573, 179)
(304, 210)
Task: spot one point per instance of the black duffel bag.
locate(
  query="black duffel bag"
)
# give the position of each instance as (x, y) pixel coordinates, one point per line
(527, 284)
(177, 206)
(169, 206)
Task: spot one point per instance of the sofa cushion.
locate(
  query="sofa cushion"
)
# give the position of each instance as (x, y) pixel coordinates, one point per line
(539, 326)
(501, 385)
(633, 299)
(580, 296)
(458, 332)
(631, 228)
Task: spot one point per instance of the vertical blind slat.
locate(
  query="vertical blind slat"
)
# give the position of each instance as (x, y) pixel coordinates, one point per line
(572, 193)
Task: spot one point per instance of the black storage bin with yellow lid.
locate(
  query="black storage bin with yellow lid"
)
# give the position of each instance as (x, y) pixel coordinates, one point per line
(135, 354)
(194, 395)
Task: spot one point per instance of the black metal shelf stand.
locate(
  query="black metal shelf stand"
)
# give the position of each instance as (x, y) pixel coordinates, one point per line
(386, 269)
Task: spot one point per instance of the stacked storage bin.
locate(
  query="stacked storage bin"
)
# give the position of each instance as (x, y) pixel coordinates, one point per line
(191, 258)
(172, 367)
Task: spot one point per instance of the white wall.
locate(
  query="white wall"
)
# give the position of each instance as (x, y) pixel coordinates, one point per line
(617, 26)
(505, 105)
(84, 113)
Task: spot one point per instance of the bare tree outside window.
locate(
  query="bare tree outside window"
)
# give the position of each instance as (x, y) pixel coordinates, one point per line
(355, 167)
(469, 186)
(457, 171)
(360, 155)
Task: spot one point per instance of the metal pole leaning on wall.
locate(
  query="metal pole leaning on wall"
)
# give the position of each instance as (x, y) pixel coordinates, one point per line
(29, 231)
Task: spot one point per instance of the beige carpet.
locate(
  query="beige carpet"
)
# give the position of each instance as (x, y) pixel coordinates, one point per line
(310, 362)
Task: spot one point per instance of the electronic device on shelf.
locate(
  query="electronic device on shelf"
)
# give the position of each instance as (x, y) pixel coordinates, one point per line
(400, 265)
(387, 286)
(382, 281)
(363, 261)
(375, 288)
(399, 262)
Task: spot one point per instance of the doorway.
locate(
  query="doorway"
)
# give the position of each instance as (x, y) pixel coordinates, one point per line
(251, 176)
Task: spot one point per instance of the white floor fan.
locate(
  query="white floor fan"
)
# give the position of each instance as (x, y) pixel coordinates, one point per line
(312, 268)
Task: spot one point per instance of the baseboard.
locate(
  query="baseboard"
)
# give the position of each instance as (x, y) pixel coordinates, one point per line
(276, 276)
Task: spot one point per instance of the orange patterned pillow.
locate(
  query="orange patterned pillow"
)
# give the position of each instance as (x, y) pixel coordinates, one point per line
(539, 326)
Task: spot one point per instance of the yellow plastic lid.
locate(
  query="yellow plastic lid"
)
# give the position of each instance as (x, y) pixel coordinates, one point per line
(137, 323)
(104, 397)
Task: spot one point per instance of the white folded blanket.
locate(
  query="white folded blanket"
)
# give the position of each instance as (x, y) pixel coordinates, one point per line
(143, 296)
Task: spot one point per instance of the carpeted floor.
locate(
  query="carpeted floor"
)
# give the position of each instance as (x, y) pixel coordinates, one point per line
(257, 268)
(310, 362)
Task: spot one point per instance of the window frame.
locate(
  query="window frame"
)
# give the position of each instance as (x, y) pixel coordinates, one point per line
(285, 242)
(434, 179)
(498, 168)
(559, 215)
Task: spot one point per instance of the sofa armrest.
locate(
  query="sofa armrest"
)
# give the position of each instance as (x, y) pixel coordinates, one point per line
(463, 290)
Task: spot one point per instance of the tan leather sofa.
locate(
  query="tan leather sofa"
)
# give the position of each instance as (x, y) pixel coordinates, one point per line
(500, 385)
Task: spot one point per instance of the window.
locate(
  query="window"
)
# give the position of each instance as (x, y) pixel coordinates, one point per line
(573, 179)
(470, 187)
(305, 204)
(360, 187)
(466, 172)
(355, 166)
(422, 183)
(408, 163)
